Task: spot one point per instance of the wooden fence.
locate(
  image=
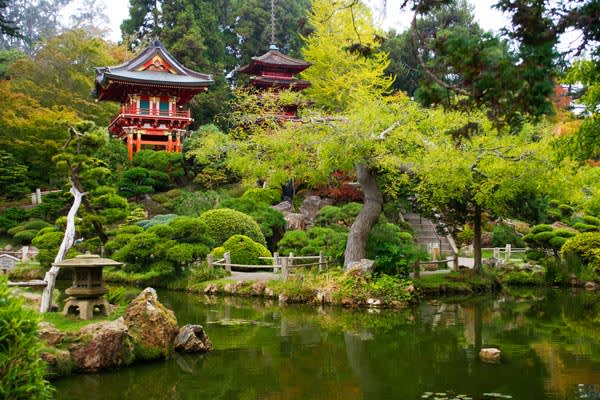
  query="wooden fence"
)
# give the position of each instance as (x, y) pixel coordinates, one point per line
(279, 263)
(505, 252)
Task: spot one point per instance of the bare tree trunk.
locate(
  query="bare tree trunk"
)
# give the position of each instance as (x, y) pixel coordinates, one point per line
(66, 244)
(359, 231)
(477, 239)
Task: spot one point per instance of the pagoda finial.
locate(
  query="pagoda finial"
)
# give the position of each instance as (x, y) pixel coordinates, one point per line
(273, 46)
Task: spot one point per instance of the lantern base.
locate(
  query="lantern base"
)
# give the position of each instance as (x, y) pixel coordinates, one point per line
(85, 307)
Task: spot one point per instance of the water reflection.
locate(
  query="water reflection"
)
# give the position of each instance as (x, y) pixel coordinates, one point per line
(549, 344)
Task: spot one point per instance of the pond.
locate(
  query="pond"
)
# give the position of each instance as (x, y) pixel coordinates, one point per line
(550, 343)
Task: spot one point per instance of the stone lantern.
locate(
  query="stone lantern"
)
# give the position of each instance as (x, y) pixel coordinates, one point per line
(88, 288)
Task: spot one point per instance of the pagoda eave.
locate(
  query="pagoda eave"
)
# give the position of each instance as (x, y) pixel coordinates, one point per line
(117, 90)
(280, 84)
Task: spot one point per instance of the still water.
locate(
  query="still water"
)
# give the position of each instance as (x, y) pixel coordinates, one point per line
(550, 343)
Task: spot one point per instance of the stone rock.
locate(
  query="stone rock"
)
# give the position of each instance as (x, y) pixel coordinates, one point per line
(576, 282)
(192, 339)
(8, 247)
(490, 355)
(284, 207)
(364, 265)
(233, 288)
(102, 345)
(59, 362)
(269, 292)
(410, 289)
(591, 286)
(49, 334)
(283, 299)
(374, 302)
(258, 288)
(311, 206)
(211, 289)
(294, 221)
(346, 301)
(152, 326)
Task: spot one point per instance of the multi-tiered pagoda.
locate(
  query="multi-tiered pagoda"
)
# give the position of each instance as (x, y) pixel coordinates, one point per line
(275, 71)
(154, 90)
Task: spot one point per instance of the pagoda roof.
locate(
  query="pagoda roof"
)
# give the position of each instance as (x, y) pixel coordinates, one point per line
(153, 67)
(293, 84)
(274, 59)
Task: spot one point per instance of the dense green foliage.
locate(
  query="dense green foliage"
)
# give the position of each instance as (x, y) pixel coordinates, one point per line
(162, 249)
(21, 368)
(586, 246)
(243, 250)
(224, 223)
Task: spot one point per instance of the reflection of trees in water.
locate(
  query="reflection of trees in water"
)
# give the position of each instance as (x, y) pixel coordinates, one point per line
(298, 352)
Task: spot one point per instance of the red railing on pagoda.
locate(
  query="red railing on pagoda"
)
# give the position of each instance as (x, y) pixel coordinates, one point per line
(153, 112)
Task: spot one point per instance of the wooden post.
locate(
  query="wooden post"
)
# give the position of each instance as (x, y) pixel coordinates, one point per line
(209, 261)
(290, 260)
(455, 262)
(496, 253)
(275, 261)
(284, 268)
(130, 146)
(417, 273)
(169, 143)
(321, 261)
(138, 144)
(227, 261)
(38, 194)
(507, 252)
(178, 144)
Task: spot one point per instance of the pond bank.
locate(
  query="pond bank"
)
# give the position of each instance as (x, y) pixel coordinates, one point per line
(144, 330)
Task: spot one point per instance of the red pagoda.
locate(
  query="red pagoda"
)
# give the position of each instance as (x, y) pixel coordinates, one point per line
(275, 71)
(153, 89)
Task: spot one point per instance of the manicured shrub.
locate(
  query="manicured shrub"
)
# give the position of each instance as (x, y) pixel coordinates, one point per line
(535, 254)
(161, 230)
(130, 229)
(35, 225)
(588, 219)
(246, 251)
(190, 230)
(293, 242)
(186, 253)
(592, 206)
(224, 223)
(566, 210)
(158, 219)
(582, 227)
(12, 217)
(271, 221)
(22, 369)
(269, 196)
(540, 228)
(25, 237)
(391, 249)
(338, 215)
(565, 233)
(48, 244)
(586, 246)
(332, 242)
(195, 203)
(504, 234)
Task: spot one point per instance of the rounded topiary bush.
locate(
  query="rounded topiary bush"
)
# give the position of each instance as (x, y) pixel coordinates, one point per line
(223, 223)
(26, 236)
(246, 251)
(586, 246)
(269, 196)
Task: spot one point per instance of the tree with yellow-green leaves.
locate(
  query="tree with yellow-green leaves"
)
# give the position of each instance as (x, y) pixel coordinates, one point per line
(344, 49)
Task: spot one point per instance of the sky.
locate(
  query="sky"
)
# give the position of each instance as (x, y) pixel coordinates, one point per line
(391, 17)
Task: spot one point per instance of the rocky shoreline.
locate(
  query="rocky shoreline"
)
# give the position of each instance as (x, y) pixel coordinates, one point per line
(147, 331)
